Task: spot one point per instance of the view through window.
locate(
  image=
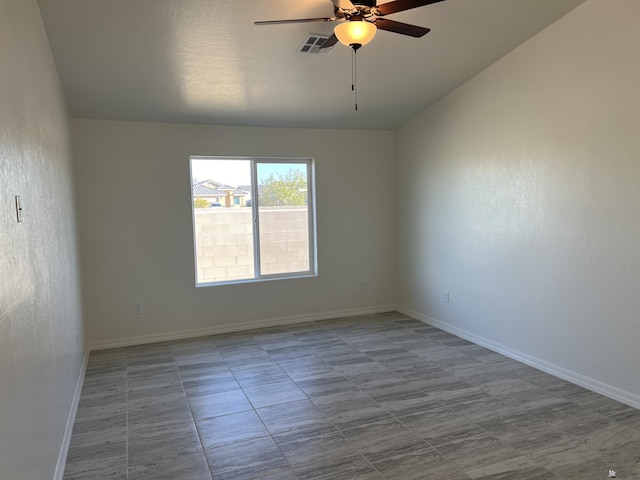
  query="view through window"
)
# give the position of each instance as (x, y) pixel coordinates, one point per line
(252, 218)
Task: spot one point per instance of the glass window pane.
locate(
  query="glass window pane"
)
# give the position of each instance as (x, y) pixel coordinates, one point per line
(223, 223)
(284, 218)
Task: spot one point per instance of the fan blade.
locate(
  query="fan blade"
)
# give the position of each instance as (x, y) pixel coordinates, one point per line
(402, 5)
(296, 20)
(401, 28)
(344, 4)
(330, 42)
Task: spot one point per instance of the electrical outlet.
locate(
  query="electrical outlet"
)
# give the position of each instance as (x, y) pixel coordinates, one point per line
(137, 308)
(445, 296)
(363, 284)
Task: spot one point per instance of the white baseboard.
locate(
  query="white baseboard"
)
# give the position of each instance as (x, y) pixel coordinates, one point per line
(237, 327)
(66, 440)
(596, 386)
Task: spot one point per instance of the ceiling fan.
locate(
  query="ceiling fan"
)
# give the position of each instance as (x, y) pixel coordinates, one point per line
(360, 20)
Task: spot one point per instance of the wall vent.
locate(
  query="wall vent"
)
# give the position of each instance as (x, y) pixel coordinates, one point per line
(312, 44)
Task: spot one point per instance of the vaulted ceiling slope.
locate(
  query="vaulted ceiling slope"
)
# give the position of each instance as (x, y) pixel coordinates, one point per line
(204, 61)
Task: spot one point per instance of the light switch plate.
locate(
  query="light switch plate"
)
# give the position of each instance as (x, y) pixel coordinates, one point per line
(18, 209)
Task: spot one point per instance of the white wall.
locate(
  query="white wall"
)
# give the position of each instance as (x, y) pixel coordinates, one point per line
(520, 194)
(40, 359)
(137, 242)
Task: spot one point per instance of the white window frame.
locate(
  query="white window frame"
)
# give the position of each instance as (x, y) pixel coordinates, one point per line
(255, 211)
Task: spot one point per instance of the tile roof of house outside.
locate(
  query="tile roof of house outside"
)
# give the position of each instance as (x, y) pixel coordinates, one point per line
(203, 190)
(211, 187)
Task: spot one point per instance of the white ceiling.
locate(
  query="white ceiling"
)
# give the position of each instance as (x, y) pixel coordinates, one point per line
(203, 61)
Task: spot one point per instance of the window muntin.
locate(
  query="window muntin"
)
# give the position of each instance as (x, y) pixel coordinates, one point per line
(263, 225)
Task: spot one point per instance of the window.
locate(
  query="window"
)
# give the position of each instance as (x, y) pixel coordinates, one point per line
(266, 226)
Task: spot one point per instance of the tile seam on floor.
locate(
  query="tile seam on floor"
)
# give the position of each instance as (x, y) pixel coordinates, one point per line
(255, 410)
(193, 418)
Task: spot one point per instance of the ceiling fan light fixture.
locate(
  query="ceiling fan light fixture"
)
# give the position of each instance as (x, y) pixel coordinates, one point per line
(355, 32)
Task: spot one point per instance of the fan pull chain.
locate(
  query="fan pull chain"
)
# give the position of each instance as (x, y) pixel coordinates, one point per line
(354, 76)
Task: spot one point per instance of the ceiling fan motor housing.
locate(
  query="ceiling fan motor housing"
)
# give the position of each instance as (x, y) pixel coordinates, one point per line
(361, 8)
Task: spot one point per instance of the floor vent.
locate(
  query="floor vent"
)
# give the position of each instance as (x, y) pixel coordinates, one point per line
(312, 44)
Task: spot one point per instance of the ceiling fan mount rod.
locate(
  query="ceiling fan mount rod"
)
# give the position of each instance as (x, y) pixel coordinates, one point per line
(365, 3)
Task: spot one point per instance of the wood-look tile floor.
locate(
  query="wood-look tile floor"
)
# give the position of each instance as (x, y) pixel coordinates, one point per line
(372, 397)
